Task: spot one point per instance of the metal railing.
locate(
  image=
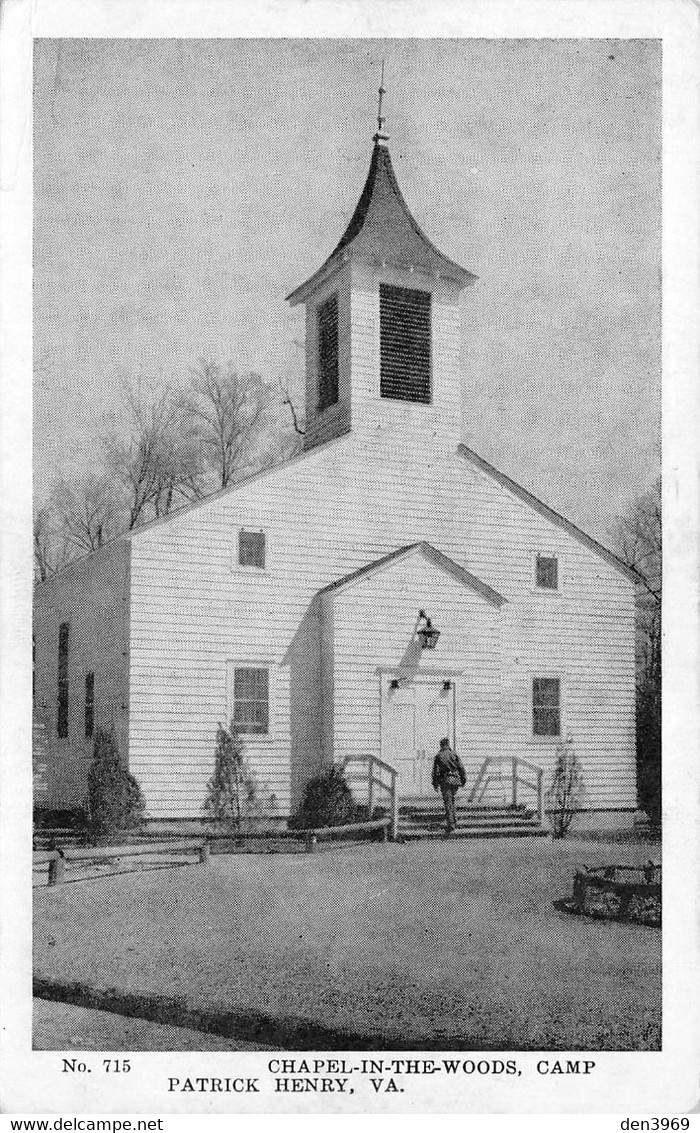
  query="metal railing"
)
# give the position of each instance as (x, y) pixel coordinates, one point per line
(379, 777)
(491, 771)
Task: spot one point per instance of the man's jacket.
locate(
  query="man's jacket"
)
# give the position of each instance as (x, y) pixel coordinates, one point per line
(448, 769)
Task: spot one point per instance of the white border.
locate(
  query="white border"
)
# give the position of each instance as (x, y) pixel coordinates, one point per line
(634, 1083)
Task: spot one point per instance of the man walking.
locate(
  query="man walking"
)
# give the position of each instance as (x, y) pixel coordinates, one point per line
(448, 776)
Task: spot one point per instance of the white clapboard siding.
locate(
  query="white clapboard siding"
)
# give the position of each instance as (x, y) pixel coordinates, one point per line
(469, 644)
(333, 511)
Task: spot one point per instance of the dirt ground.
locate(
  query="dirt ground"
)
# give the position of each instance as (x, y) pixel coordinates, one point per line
(443, 942)
(63, 1026)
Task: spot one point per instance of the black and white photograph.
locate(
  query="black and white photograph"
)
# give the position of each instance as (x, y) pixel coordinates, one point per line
(346, 642)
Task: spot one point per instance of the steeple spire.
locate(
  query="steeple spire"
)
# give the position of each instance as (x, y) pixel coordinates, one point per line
(380, 136)
(382, 232)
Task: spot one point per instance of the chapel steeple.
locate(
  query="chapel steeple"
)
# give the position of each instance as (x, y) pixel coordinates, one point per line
(383, 273)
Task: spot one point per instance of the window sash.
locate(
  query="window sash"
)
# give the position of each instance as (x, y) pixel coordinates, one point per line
(547, 572)
(251, 549)
(251, 697)
(546, 706)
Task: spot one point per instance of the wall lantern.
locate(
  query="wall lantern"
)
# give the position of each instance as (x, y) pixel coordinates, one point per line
(426, 634)
(447, 685)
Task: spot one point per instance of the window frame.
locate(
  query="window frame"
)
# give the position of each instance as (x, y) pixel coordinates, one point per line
(249, 530)
(321, 403)
(251, 663)
(534, 737)
(537, 587)
(408, 401)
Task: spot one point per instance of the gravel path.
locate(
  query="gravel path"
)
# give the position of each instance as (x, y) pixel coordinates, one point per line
(441, 942)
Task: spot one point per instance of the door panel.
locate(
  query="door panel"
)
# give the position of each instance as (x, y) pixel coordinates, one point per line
(416, 717)
(400, 737)
(434, 719)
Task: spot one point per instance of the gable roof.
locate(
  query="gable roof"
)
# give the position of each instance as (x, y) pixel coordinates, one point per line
(548, 512)
(382, 231)
(434, 556)
(261, 474)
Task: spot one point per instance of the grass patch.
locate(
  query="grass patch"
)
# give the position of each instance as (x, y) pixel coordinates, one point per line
(441, 944)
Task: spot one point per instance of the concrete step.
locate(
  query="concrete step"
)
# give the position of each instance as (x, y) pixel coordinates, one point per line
(439, 824)
(463, 832)
(431, 801)
(468, 815)
(425, 818)
(420, 813)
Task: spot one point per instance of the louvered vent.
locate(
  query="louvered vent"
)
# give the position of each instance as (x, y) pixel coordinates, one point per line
(328, 352)
(404, 319)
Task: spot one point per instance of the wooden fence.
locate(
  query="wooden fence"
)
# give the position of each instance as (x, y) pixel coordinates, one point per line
(58, 859)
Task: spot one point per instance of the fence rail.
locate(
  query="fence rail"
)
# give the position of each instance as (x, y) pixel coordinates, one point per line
(59, 858)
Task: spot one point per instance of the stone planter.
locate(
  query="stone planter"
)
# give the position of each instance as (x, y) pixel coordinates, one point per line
(624, 893)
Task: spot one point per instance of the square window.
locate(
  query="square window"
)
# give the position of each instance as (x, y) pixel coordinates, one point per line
(251, 697)
(251, 549)
(547, 572)
(546, 706)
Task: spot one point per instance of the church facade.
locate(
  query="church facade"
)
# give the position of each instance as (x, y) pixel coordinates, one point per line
(300, 603)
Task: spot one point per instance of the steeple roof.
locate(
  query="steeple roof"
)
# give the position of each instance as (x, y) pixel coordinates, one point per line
(383, 232)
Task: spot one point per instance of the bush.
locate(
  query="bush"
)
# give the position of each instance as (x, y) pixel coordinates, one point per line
(232, 790)
(115, 801)
(327, 801)
(565, 791)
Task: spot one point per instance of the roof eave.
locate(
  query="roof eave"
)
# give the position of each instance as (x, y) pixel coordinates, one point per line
(451, 273)
(442, 561)
(326, 271)
(549, 513)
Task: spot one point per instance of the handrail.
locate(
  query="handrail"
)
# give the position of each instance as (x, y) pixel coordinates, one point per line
(484, 778)
(510, 759)
(373, 781)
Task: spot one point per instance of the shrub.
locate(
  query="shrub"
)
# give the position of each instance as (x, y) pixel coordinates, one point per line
(327, 801)
(232, 789)
(565, 791)
(115, 801)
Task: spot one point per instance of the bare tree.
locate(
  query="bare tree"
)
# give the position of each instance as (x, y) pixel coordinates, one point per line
(170, 447)
(229, 414)
(157, 464)
(287, 400)
(49, 548)
(638, 536)
(88, 512)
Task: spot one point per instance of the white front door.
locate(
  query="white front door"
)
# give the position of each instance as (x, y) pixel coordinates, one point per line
(416, 716)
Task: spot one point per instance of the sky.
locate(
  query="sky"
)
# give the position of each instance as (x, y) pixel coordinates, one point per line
(182, 188)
